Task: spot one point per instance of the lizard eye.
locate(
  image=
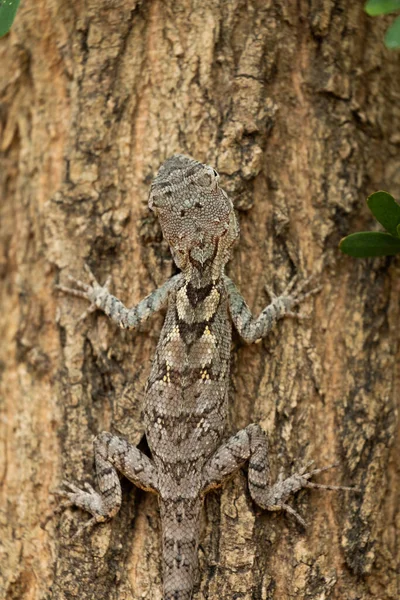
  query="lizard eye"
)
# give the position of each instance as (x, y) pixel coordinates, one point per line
(209, 179)
(153, 201)
(205, 180)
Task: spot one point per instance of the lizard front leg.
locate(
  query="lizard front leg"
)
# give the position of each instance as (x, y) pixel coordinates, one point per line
(252, 329)
(251, 444)
(112, 453)
(101, 298)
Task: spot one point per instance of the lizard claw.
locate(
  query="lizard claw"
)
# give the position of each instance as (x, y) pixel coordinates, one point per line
(91, 309)
(290, 286)
(79, 284)
(300, 316)
(81, 289)
(108, 282)
(71, 499)
(283, 488)
(303, 284)
(88, 525)
(74, 488)
(89, 488)
(321, 486)
(92, 278)
(299, 297)
(306, 466)
(295, 514)
(293, 296)
(89, 500)
(55, 511)
(71, 291)
(270, 292)
(286, 292)
(94, 284)
(86, 291)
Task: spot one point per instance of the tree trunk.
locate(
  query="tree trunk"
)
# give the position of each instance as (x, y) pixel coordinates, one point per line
(296, 105)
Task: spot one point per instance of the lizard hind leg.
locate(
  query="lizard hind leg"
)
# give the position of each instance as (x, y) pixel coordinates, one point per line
(112, 454)
(251, 444)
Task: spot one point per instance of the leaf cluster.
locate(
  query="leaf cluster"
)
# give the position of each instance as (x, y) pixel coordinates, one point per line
(384, 7)
(8, 10)
(377, 243)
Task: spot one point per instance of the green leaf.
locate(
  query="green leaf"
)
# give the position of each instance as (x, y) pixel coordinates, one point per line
(392, 36)
(370, 243)
(381, 7)
(398, 230)
(8, 9)
(385, 210)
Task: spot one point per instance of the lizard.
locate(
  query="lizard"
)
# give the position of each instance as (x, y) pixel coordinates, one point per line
(186, 395)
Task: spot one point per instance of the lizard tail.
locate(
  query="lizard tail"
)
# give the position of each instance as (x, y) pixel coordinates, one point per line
(180, 534)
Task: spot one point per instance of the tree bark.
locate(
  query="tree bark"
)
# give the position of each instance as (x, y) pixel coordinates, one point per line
(296, 104)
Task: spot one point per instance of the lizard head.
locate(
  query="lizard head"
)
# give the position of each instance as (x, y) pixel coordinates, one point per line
(196, 216)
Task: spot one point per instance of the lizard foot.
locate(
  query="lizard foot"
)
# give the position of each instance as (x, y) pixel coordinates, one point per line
(89, 292)
(278, 494)
(88, 500)
(293, 296)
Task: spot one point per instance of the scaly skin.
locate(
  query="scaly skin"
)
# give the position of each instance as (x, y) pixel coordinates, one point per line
(185, 408)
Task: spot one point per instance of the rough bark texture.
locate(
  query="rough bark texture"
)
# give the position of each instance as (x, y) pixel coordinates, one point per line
(297, 105)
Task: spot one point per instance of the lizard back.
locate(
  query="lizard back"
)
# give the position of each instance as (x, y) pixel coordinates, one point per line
(186, 397)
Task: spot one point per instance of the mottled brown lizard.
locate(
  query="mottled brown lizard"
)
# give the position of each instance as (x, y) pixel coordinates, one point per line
(185, 408)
